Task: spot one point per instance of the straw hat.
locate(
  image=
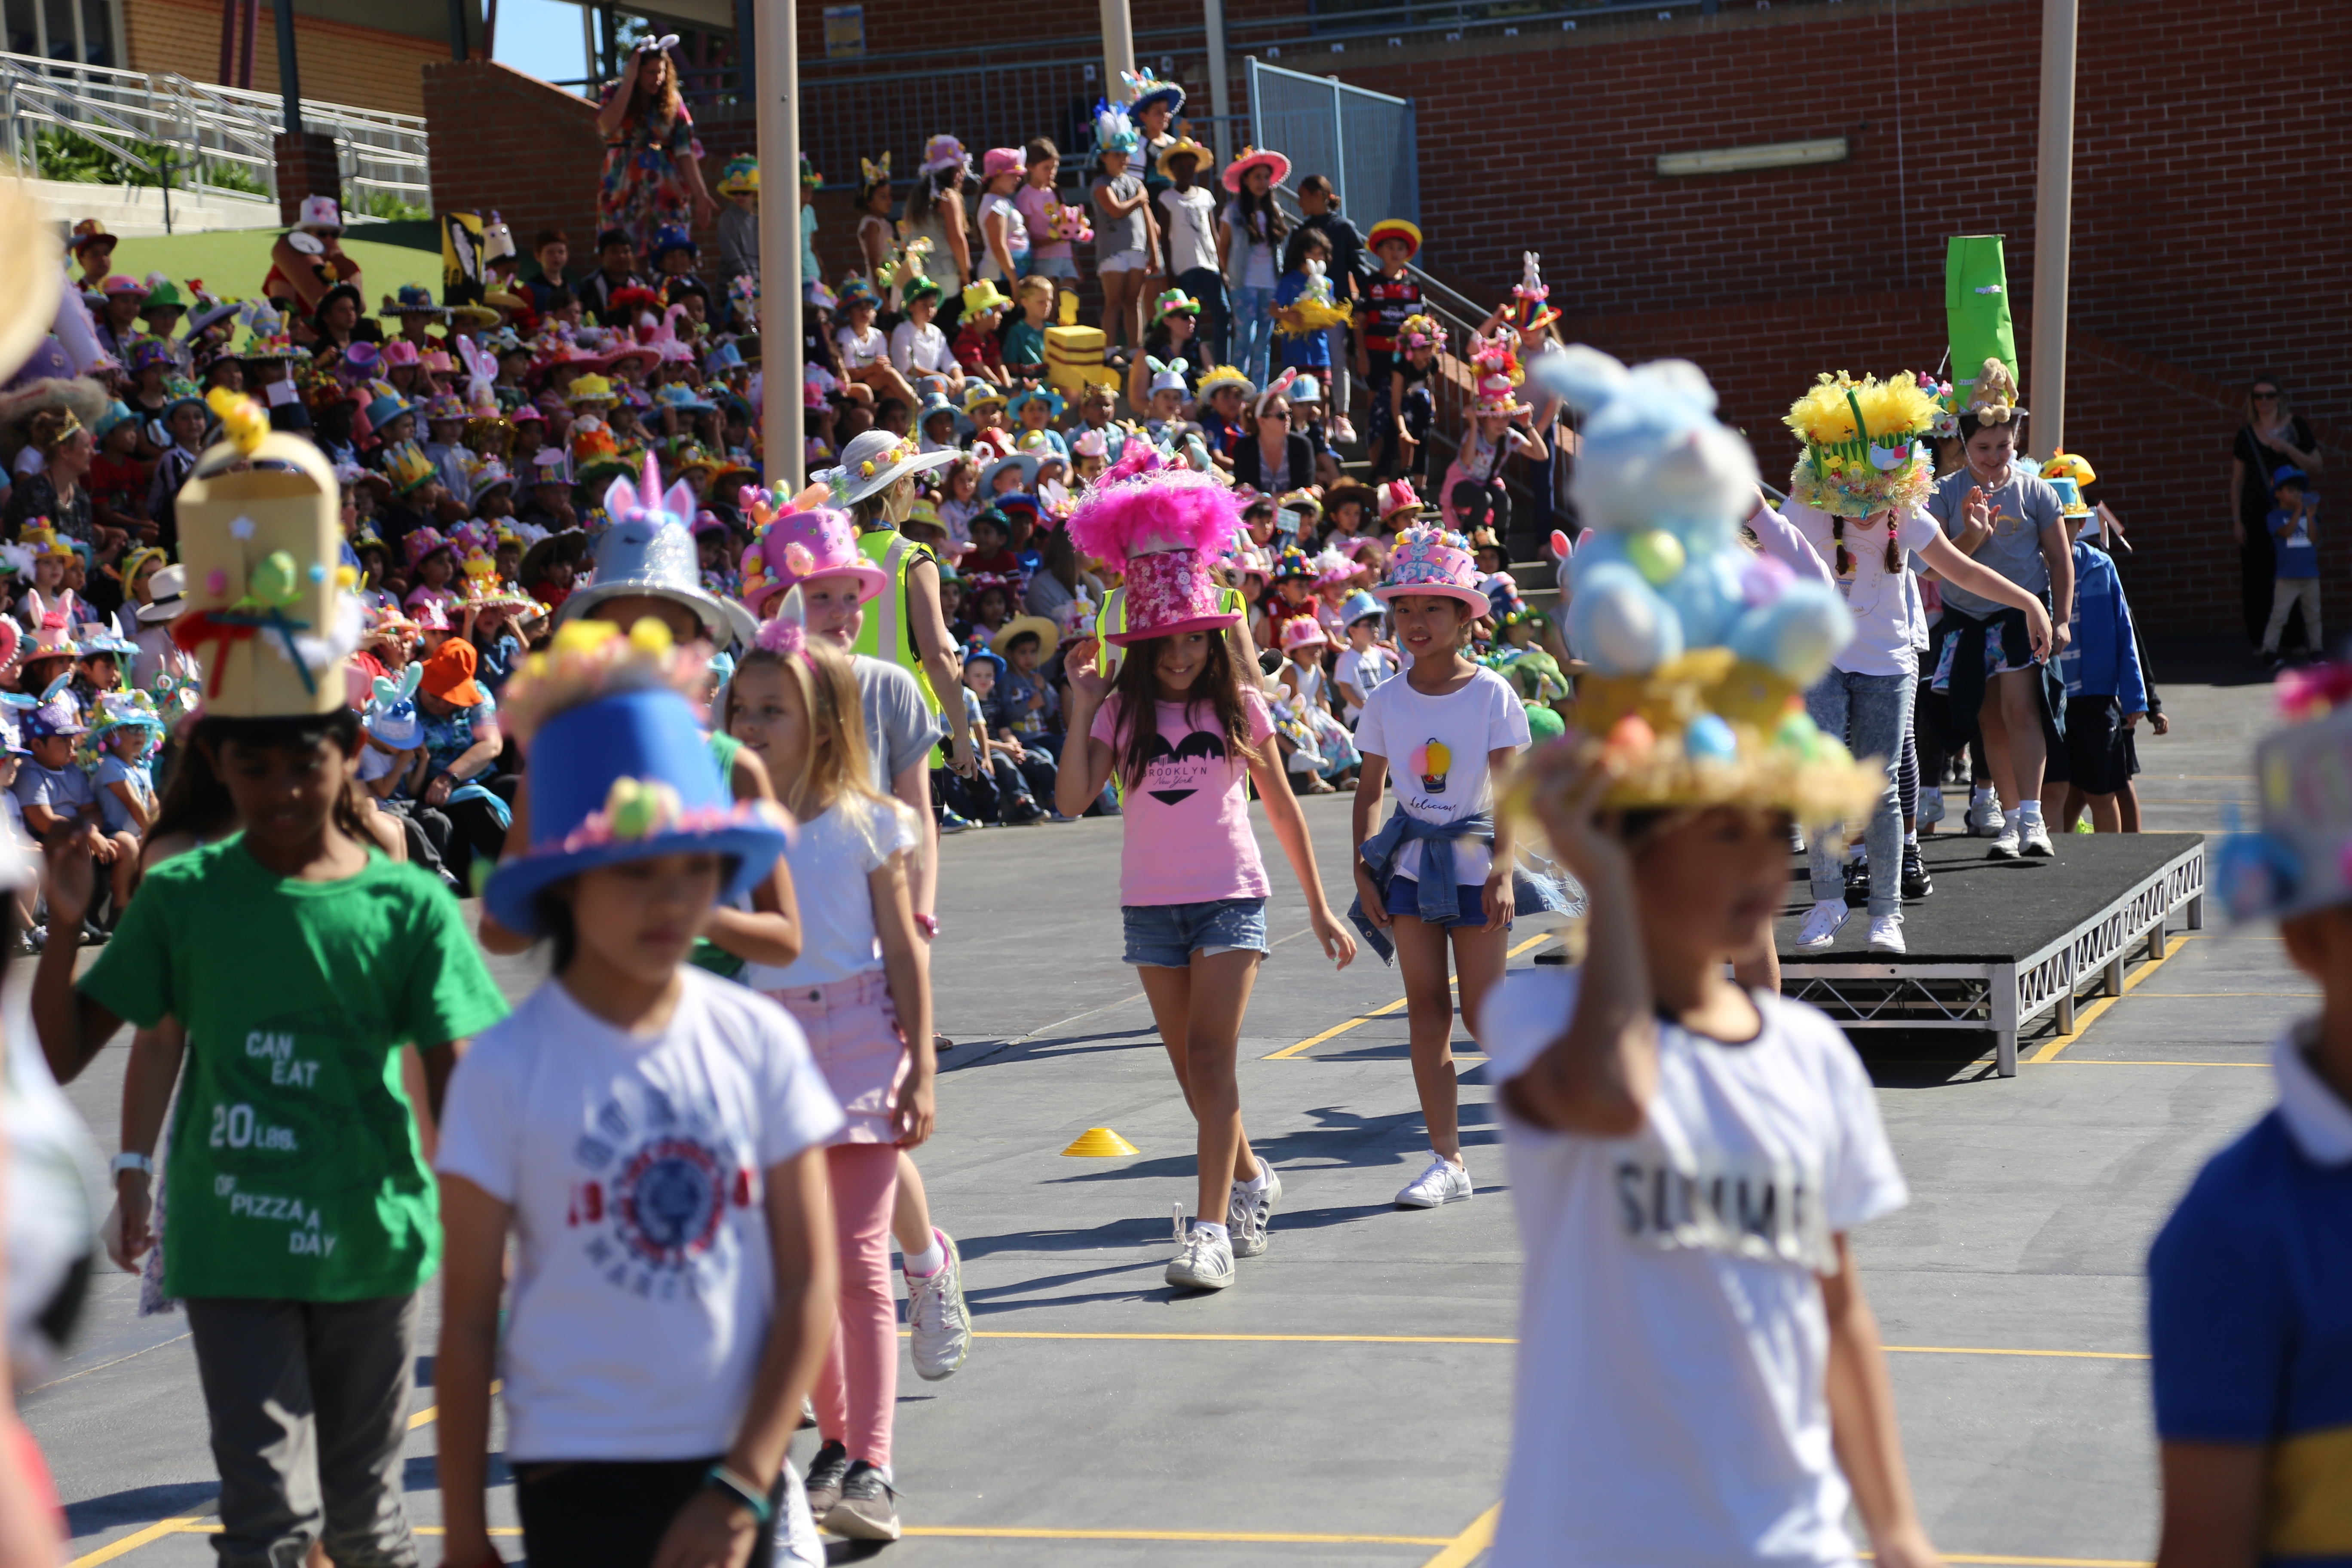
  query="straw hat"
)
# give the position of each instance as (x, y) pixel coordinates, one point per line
(1202, 159)
(1049, 636)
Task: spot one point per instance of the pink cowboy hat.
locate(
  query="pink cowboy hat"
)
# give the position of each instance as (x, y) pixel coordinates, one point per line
(799, 546)
(1432, 560)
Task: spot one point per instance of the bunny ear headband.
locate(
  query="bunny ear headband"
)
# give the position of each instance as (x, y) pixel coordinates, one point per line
(1278, 387)
(876, 174)
(665, 43)
(787, 633)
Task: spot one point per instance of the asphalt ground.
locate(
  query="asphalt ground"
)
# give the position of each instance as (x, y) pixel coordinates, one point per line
(1348, 1401)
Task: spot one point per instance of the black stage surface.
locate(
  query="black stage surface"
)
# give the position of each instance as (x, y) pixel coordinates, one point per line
(1991, 911)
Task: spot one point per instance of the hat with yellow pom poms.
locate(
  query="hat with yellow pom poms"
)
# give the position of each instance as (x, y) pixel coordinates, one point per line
(620, 769)
(1863, 445)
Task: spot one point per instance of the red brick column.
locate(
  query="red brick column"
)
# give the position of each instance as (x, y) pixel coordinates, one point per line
(306, 167)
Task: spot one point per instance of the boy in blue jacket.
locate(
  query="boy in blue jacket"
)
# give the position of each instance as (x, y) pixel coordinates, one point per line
(2106, 696)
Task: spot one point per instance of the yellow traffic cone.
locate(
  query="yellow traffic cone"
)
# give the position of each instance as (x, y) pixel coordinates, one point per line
(1101, 1143)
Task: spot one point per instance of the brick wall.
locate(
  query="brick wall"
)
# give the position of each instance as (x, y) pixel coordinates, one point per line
(339, 63)
(505, 140)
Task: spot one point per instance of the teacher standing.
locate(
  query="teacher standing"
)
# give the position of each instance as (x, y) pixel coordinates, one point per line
(2272, 437)
(652, 175)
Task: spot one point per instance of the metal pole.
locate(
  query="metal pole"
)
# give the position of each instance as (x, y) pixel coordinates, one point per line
(456, 29)
(1340, 143)
(1213, 19)
(784, 440)
(747, 27)
(2054, 201)
(1119, 48)
(290, 75)
(41, 31)
(81, 41)
(251, 25)
(229, 9)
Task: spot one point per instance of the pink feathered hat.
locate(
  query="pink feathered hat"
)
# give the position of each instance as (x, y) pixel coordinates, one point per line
(1432, 560)
(797, 546)
(1169, 524)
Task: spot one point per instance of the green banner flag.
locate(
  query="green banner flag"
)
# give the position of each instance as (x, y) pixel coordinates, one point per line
(1976, 310)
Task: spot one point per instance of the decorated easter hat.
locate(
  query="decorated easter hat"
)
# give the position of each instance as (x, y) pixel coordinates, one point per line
(648, 551)
(620, 770)
(1993, 399)
(1433, 561)
(1390, 228)
(874, 460)
(391, 715)
(167, 595)
(793, 547)
(1274, 162)
(269, 613)
(982, 294)
(1303, 631)
(2067, 473)
(1145, 89)
(2299, 858)
(944, 152)
(1702, 652)
(1184, 147)
(1397, 498)
(1865, 445)
(1223, 376)
(1114, 132)
(740, 177)
(1360, 606)
(1168, 523)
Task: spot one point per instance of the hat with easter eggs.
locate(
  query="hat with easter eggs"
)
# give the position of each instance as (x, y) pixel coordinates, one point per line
(1865, 445)
(1700, 651)
(794, 546)
(270, 612)
(1170, 524)
(620, 770)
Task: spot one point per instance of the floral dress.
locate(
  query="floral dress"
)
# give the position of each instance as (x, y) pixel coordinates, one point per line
(642, 190)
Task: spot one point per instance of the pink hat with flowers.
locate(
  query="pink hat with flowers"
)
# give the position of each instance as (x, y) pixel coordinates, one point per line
(1002, 160)
(422, 543)
(793, 547)
(1433, 561)
(1169, 524)
(1302, 631)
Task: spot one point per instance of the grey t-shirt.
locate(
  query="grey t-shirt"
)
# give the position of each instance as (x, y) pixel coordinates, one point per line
(900, 727)
(2021, 509)
(1115, 236)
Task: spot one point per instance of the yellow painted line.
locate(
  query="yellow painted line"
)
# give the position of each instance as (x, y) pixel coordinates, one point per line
(426, 1416)
(1464, 1548)
(2181, 994)
(2086, 1016)
(101, 1366)
(133, 1542)
(1289, 1053)
(2047, 1561)
(1213, 1537)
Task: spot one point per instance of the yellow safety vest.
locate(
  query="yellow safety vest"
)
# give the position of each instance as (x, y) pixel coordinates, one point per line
(1112, 618)
(887, 635)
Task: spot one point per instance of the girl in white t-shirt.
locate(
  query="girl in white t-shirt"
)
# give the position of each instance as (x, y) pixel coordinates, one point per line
(861, 989)
(1438, 872)
(648, 1135)
(1687, 1159)
(1186, 734)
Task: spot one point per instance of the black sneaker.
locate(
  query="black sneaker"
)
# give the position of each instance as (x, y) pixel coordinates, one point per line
(1917, 883)
(866, 1509)
(826, 1473)
(1857, 883)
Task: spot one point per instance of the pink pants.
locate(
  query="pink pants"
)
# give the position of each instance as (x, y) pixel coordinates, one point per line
(858, 1388)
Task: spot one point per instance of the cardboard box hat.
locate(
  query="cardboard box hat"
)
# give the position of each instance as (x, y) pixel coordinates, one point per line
(270, 616)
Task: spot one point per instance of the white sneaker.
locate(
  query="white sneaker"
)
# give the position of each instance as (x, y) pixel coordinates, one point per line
(1205, 1264)
(797, 1544)
(1822, 923)
(2034, 837)
(936, 1313)
(1887, 933)
(1250, 1211)
(2005, 843)
(1984, 815)
(1443, 1183)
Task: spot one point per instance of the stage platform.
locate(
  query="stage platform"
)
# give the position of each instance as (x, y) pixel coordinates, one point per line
(1999, 943)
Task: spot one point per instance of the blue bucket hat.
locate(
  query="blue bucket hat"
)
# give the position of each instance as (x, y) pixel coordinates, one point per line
(627, 777)
(1047, 395)
(388, 407)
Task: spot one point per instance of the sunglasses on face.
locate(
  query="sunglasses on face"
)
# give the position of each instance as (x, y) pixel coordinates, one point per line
(2266, 397)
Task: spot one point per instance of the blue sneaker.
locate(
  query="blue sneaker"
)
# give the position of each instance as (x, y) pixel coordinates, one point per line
(951, 823)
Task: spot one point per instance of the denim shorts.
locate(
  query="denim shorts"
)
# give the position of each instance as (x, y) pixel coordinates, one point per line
(1167, 936)
(1469, 900)
(1062, 266)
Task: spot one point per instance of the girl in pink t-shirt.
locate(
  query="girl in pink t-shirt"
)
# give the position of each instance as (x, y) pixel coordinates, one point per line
(1181, 732)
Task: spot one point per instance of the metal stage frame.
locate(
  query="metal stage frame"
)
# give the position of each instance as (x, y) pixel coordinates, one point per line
(2009, 996)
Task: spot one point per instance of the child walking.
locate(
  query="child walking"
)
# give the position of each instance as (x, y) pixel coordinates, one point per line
(2295, 539)
(861, 989)
(1438, 872)
(1182, 731)
(649, 1135)
(299, 961)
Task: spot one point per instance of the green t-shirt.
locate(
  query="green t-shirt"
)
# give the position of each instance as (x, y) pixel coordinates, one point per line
(294, 1171)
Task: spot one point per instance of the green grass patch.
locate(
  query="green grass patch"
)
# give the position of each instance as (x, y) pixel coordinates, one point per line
(233, 262)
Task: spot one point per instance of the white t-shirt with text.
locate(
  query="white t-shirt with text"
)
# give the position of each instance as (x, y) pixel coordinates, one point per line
(643, 1282)
(1436, 749)
(1672, 1408)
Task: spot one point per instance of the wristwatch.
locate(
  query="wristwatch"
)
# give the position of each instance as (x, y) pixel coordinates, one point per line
(127, 1161)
